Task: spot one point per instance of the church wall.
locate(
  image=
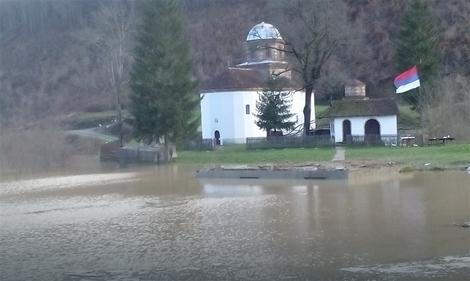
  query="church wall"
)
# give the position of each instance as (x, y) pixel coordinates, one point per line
(225, 111)
(388, 126)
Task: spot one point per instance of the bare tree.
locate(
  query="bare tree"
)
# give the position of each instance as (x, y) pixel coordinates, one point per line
(114, 26)
(448, 113)
(313, 30)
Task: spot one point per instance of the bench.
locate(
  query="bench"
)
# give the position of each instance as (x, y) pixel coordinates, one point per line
(407, 141)
(443, 140)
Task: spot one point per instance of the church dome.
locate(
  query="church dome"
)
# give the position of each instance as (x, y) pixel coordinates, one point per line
(263, 31)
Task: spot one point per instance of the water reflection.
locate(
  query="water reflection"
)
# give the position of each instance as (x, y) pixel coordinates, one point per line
(63, 182)
(163, 224)
(216, 190)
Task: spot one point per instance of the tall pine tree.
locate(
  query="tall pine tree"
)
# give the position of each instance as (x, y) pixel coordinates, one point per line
(417, 45)
(164, 98)
(273, 108)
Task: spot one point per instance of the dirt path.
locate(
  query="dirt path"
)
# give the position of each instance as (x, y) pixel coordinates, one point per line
(92, 133)
(339, 154)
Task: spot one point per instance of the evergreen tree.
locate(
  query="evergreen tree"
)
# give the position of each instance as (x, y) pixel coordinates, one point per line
(418, 43)
(164, 98)
(273, 108)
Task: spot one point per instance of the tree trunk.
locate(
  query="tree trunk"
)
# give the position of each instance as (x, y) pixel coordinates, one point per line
(119, 121)
(307, 109)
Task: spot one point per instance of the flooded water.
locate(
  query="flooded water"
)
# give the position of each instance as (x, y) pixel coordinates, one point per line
(164, 224)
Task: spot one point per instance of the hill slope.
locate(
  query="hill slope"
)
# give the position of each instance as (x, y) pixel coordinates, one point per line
(48, 68)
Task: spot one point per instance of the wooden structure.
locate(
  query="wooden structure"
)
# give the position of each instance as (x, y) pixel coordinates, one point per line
(137, 154)
(302, 173)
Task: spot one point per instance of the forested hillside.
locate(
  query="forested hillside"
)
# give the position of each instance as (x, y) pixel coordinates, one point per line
(51, 64)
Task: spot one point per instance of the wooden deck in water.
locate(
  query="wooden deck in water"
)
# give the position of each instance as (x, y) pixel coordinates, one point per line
(310, 173)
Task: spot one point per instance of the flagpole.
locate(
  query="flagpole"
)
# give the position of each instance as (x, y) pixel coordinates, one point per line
(420, 97)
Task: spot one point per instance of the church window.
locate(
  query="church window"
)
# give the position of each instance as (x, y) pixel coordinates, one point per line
(247, 109)
(275, 54)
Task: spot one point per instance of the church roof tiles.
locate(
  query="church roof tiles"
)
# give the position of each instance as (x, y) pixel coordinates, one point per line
(236, 78)
(362, 107)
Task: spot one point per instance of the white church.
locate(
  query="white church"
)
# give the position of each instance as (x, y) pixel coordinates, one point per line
(228, 102)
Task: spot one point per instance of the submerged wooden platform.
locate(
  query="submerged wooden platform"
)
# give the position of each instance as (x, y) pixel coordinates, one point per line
(302, 173)
(136, 154)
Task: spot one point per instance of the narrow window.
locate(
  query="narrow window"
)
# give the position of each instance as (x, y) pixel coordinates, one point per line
(275, 55)
(247, 109)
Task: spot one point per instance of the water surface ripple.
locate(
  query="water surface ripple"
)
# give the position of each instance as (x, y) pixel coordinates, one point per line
(163, 224)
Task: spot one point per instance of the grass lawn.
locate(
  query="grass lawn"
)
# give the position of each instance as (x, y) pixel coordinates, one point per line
(441, 156)
(237, 154)
(319, 109)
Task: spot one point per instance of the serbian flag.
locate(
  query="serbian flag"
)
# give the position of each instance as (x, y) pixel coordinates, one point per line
(407, 80)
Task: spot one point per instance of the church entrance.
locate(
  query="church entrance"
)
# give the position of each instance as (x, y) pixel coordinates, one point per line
(372, 132)
(347, 138)
(217, 137)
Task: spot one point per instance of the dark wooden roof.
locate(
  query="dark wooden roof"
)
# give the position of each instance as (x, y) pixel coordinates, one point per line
(354, 83)
(363, 107)
(237, 78)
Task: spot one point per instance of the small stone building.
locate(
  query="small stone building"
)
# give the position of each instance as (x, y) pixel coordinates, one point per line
(358, 119)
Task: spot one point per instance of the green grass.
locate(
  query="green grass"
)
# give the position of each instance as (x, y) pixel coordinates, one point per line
(84, 120)
(319, 109)
(237, 154)
(439, 156)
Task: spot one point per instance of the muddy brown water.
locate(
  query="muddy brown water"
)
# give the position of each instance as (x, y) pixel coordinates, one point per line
(164, 224)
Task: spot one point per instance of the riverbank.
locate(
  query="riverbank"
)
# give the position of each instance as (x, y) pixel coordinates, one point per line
(444, 157)
(237, 154)
(439, 157)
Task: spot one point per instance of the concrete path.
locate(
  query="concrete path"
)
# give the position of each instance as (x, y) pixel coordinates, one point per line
(339, 154)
